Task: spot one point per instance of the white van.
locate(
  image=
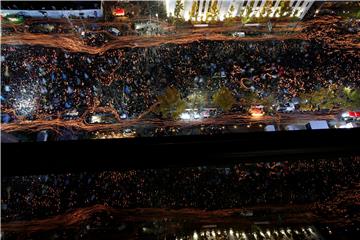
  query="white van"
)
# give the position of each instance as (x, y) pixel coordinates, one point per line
(115, 31)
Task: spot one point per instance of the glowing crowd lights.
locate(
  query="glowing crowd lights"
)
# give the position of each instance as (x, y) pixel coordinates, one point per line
(25, 105)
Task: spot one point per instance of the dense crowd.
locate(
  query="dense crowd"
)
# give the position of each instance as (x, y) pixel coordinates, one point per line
(245, 184)
(38, 80)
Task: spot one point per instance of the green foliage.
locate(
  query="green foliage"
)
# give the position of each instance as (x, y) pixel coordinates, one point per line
(249, 99)
(229, 22)
(194, 10)
(214, 10)
(285, 6)
(179, 7)
(196, 100)
(330, 98)
(245, 19)
(231, 11)
(352, 98)
(267, 7)
(268, 101)
(315, 100)
(170, 103)
(224, 99)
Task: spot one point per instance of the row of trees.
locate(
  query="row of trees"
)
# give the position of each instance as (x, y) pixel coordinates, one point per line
(331, 98)
(171, 104)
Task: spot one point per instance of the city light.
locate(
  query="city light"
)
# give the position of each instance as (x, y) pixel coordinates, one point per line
(25, 105)
(62, 74)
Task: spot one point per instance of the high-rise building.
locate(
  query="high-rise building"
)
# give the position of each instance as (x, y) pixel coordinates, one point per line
(202, 10)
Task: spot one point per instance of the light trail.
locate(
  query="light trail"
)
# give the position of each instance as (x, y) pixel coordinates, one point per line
(225, 120)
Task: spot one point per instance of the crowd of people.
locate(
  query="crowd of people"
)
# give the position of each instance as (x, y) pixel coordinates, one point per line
(39, 80)
(240, 185)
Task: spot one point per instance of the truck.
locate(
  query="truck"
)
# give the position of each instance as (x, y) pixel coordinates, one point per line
(318, 124)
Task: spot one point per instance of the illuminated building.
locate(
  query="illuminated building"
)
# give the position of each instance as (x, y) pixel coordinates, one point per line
(237, 8)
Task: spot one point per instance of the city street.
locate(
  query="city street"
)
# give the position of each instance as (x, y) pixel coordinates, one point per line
(109, 83)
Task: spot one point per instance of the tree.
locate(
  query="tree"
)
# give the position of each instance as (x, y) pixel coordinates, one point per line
(194, 10)
(324, 98)
(267, 8)
(249, 98)
(268, 101)
(352, 98)
(285, 7)
(246, 18)
(179, 7)
(231, 11)
(224, 99)
(197, 100)
(170, 103)
(214, 10)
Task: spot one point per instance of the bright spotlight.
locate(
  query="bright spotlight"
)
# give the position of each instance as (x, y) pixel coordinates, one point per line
(231, 232)
(185, 116)
(268, 233)
(195, 236)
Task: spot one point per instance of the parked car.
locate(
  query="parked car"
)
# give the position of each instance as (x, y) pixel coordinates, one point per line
(350, 116)
(286, 108)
